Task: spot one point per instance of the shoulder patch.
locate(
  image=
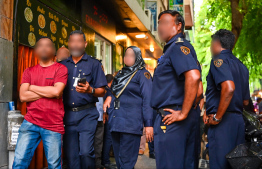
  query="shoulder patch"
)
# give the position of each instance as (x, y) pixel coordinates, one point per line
(218, 62)
(147, 75)
(185, 50)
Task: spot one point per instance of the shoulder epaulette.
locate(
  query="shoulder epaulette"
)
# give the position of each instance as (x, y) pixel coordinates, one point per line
(179, 40)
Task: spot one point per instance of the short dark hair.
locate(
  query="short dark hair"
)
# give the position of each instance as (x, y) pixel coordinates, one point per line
(44, 37)
(179, 17)
(78, 32)
(109, 78)
(225, 37)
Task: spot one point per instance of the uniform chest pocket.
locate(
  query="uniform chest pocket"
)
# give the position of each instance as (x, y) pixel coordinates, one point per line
(163, 67)
(87, 75)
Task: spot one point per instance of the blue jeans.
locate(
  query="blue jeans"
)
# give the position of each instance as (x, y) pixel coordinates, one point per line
(29, 137)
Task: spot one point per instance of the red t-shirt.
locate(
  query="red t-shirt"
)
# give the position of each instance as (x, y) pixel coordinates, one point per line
(47, 113)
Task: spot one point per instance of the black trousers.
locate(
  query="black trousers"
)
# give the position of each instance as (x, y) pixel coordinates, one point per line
(98, 144)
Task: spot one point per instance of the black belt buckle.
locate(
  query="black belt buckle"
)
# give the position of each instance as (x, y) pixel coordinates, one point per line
(75, 109)
(162, 112)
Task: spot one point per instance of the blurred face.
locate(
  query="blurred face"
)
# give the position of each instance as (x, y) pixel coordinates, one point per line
(45, 49)
(62, 54)
(77, 45)
(215, 47)
(130, 57)
(167, 28)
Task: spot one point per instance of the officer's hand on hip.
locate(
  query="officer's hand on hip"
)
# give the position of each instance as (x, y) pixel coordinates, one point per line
(84, 88)
(211, 121)
(107, 103)
(176, 115)
(149, 133)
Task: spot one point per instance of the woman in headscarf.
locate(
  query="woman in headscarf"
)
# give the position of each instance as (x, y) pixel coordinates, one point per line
(129, 108)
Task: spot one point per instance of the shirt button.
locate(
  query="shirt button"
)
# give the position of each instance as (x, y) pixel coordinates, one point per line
(73, 103)
(114, 116)
(72, 89)
(75, 66)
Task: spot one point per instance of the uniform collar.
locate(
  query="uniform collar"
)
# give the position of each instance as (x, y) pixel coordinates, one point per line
(226, 51)
(180, 35)
(85, 57)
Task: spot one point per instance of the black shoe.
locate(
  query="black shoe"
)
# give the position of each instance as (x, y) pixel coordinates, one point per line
(152, 156)
(110, 166)
(100, 167)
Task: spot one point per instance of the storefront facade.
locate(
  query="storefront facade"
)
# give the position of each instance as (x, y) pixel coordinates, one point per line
(108, 32)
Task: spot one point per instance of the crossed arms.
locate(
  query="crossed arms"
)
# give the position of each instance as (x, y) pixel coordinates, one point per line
(29, 93)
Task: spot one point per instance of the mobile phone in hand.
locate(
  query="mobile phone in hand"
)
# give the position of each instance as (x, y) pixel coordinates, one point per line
(82, 80)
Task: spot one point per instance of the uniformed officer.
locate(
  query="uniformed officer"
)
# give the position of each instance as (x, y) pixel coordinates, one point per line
(130, 108)
(79, 99)
(174, 95)
(227, 91)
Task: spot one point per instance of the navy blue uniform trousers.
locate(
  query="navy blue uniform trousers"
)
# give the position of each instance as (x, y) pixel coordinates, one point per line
(79, 135)
(126, 147)
(175, 149)
(198, 137)
(106, 145)
(151, 144)
(223, 138)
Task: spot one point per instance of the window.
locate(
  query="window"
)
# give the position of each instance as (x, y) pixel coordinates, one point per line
(103, 52)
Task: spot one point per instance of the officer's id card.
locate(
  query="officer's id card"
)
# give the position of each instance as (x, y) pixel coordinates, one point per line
(117, 103)
(76, 80)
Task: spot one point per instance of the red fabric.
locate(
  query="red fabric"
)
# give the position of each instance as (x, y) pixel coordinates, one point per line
(47, 113)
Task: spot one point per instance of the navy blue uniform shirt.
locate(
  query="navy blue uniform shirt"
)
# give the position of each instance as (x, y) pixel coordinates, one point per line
(169, 81)
(135, 111)
(87, 67)
(222, 68)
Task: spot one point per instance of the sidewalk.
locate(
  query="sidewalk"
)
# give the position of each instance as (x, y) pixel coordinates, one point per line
(144, 162)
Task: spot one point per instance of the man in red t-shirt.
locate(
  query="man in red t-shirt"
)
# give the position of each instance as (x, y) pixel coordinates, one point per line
(42, 87)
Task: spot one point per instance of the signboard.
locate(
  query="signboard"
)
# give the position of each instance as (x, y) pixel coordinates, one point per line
(34, 20)
(177, 5)
(98, 20)
(152, 5)
(14, 135)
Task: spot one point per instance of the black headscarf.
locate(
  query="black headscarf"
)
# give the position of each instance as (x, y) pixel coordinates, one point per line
(122, 78)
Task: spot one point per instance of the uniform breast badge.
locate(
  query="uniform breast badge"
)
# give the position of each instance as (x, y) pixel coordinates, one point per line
(147, 75)
(185, 50)
(218, 62)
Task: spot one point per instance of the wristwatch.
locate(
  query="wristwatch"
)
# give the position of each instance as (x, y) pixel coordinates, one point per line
(215, 119)
(93, 91)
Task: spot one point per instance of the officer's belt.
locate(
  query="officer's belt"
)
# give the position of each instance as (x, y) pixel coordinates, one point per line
(163, 113)
(89, 105)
